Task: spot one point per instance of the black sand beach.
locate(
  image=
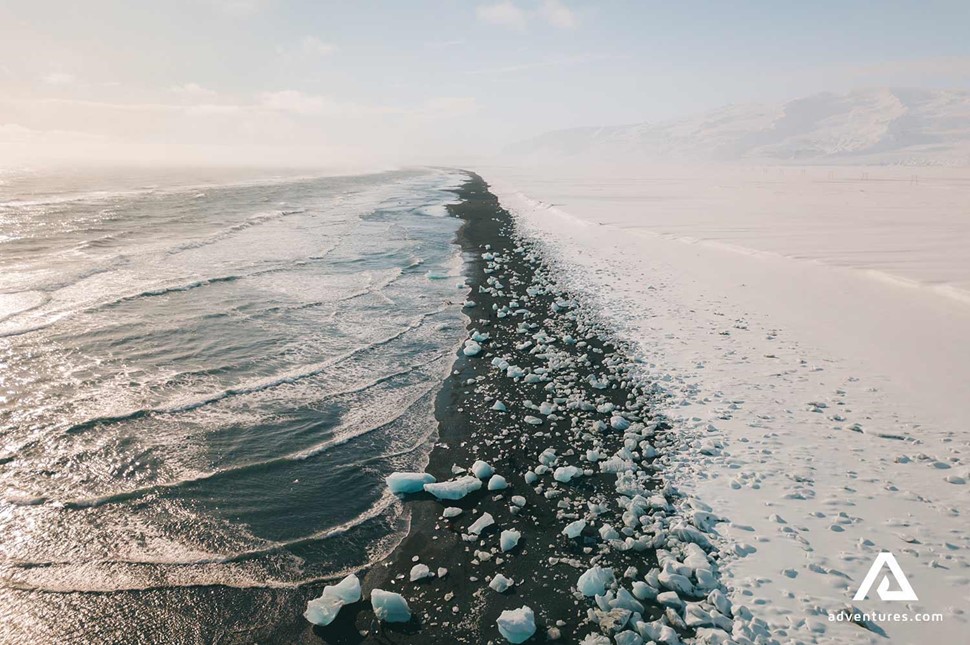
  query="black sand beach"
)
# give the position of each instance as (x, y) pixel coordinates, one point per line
(460, 607)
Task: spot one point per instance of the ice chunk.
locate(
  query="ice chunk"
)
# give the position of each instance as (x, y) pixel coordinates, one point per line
(509, 539)
(518, 500)
(451, 511)
(619, 423)
(670, 599)
(548, 457)
(628, 637)
(482, 523)
(531, 420)
(566, 473)
(500, 583)
(498, 406)
(625, 600)
(420, 572)
(455, 488)
(482, 470)
(517, 625)
(497, 482)
(643, 591)
(674, 581)
(321, 611)
(390, 607)
(575, 529)
(403, 483)
(471, 348)
(595, 581)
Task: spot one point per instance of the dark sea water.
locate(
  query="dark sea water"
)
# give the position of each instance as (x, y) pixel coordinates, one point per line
(201, 390)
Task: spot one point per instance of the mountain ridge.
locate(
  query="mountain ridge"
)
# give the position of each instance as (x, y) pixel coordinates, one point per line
(879, 126)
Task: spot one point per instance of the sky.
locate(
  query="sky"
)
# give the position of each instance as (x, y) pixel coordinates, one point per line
(316, 83)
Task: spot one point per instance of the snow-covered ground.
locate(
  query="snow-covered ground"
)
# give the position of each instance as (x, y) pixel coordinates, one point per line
(812, 327)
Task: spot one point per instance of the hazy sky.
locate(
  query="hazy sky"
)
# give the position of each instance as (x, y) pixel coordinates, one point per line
(313, 82)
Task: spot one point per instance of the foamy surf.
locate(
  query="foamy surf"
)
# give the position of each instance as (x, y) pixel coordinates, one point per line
(210, 398)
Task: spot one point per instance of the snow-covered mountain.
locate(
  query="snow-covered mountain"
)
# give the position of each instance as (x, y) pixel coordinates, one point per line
(879, 126)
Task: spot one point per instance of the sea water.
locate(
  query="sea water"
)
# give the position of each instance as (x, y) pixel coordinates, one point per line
(202, 390)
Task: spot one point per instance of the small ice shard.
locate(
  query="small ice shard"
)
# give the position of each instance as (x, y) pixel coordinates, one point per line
(497, 482)
(479, 337)
(517, 625)
(455, 488)
(390, 607)
(574, 529)
(498, 406)
(566, 473)
(482, 523)
(469, 304)
(404, 483)
(595, 581)
(471, 348)
(531, 420)
(450, 512)
(509, 539)
(420, 572)
(321, 611)
(500, 583)
(546, 408)
(482, 470)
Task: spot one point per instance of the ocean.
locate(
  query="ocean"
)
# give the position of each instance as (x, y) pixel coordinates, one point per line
(202, 388)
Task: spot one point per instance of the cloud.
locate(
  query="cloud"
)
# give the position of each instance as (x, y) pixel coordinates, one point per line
(562, 61)
(214, 109)
(450, 106)
(504, 14)
(239, 8)
(307, 49)
(193, 91)
(15, 133)
(558, 14)
(59, 79)
(313, 46)
(293, 101)
(302, 104)
(442, 44)
(508, 14)
(930, 66)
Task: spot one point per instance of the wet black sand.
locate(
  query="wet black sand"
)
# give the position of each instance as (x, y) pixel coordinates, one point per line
(460, 607)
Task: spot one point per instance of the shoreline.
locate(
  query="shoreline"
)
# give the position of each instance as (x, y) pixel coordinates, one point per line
(459, 606)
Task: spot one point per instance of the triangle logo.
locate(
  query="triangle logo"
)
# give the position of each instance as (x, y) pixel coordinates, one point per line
(905, 590)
